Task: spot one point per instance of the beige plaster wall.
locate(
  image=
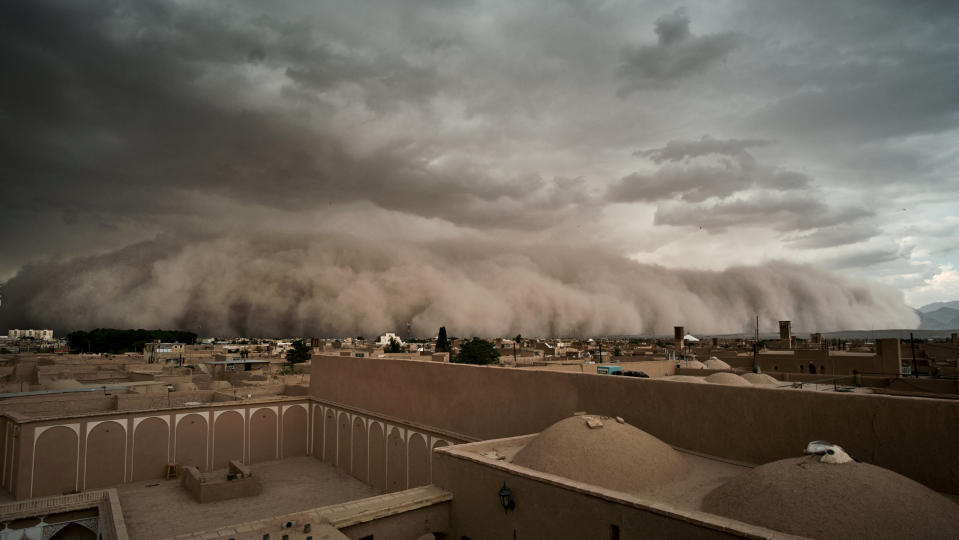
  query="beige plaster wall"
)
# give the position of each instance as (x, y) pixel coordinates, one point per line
(209, 490)
(546, 510)
(49, 457)
(913, 436)
(653, 368)
(381, 451)
(411, 524)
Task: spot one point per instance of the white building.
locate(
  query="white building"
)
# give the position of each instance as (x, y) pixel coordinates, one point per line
(385, 339)
(42, 335)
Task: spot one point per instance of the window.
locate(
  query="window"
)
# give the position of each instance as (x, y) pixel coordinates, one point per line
(614, 532)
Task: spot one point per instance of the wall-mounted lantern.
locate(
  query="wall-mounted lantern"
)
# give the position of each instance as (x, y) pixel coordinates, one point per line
(506, 498)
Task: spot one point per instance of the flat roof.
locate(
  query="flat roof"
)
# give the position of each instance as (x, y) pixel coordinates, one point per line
(230, 362)
(296, 484)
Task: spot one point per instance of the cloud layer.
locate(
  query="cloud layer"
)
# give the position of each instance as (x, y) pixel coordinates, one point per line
(480, 150)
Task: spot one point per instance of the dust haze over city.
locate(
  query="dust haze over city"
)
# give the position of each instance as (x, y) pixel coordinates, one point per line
(425, 270)
(544, 168)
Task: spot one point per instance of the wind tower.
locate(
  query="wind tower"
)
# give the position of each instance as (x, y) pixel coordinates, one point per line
(679, 336)
(786, 334)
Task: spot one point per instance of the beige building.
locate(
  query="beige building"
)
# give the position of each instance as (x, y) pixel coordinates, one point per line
(41, 335)
(163, 352)
(419, 449)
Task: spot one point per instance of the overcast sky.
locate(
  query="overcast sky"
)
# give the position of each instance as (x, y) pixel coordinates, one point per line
(686, 135)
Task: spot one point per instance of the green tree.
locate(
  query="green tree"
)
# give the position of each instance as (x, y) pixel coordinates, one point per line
(442, 342)
(298, 353)
(477, 351)
(518, 339)
(393, 346)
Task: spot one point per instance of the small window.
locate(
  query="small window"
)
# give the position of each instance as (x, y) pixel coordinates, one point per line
(614, 532)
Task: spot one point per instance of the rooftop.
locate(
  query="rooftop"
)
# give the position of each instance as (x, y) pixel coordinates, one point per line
(162, 508)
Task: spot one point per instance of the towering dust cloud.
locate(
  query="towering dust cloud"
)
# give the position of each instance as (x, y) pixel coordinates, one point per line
(337, 285)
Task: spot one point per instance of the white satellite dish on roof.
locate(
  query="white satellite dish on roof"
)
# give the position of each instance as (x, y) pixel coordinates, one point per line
(690, 337)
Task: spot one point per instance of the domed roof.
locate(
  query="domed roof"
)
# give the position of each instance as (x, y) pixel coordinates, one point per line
(759, 378)
(730, 379)
(695, 364)
(615, 456)
(820, 500)
(683, 378)
(63, 384)
(716, 363)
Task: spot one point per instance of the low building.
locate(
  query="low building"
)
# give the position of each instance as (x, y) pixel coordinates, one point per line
(163, 352)
(39, 335)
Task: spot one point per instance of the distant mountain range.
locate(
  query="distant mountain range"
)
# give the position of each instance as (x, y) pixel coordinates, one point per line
(939, 316)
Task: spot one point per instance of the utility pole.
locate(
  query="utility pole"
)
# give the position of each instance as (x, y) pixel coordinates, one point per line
(756, 346)
(912, 345)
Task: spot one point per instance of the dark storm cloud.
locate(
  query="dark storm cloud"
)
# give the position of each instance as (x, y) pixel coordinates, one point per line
(892, 97)
(866, 258)
(693, 179)
(676, 55)
(836, 235)
(686, 149)
(783, 212)
(118, 96)
(860, 71)
(324, 168)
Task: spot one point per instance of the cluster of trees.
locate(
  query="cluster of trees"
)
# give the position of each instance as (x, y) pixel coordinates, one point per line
(442, 342)
(111, 340)
(393, 346)
(472, 351)
(298, 352)
(476, 351)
